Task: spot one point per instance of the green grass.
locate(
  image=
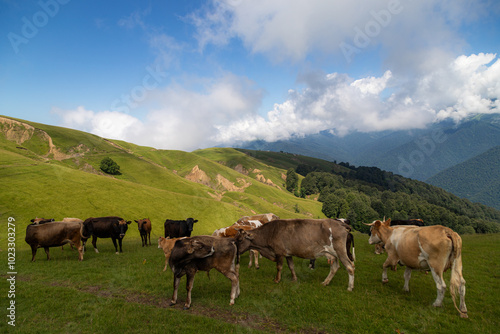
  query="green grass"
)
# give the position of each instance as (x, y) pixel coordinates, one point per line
(129, 292)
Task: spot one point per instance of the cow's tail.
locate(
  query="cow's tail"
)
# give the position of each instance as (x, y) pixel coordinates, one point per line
(349, 242)
(457, 282)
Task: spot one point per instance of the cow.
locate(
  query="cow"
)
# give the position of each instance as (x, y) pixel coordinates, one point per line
(106, 227)
(379, 248)
(435, 248)
(37, 221)
(54, 234)
(76, 220)
(144, 226)
(231, 232)
(263, 218)
(167, 244)
(190, 255)
(305, 238)
(350, 241)
(179, 228)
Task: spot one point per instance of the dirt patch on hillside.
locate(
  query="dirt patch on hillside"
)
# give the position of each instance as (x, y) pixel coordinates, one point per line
(220, 183)
(198, 176)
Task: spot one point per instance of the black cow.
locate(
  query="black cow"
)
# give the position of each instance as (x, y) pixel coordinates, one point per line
(106, 227)
(179, 228)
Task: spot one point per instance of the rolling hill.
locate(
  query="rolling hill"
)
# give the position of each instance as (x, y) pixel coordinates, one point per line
(53, 172)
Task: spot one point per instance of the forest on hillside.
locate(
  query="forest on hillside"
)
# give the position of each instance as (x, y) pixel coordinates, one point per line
(363, 194)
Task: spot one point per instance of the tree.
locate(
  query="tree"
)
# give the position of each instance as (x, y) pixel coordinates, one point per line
(109, 166)
(292, 180)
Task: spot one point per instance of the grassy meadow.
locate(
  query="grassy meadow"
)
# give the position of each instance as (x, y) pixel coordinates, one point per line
(129, 292)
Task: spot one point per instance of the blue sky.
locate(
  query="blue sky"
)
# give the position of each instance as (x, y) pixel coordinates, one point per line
(195, 74)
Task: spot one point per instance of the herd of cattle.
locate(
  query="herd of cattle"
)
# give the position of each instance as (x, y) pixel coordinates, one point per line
(408, 243)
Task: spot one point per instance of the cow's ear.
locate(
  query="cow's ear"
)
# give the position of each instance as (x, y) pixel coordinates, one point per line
(387, 222)
(136, 221)
(195, 221)
(129, 222)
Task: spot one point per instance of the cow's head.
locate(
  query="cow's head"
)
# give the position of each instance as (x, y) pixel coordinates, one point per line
(141, 223)
(120, 227)
(190, 222)
(243, 239)
(375, 227)
(87, 228)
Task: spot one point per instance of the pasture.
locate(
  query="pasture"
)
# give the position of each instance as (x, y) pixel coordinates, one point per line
(129, 293)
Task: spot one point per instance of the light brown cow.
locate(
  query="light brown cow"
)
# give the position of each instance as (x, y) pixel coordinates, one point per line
(54, 234)
(144, 226)
(435, 248)
(232, 231)
(204, 253)
(167, 244)
(305, 238)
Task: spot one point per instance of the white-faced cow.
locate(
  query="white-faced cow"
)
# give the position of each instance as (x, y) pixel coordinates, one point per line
(190, 255)
(54, 234)
(232, 231)
(179, 228)
(106, 227)
(264, 218)
(305, 238)
(144, 226)
(435, 248)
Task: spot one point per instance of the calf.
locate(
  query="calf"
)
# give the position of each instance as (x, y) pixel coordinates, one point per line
(231, 232)
(144, 226)
(106, 227)
(179, 228)
(435, 248)
(166, 245)
(203, 253)
(54, 234)
(305, 238)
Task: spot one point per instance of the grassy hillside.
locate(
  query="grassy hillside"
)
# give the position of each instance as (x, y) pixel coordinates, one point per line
(477, 179)
(53, 172)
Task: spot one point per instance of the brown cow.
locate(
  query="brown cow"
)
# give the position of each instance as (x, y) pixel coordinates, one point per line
(435, 248)
(54, 234)
(305, 238)
(232, 231)
(144, 226)
(167, 244)
(203, 253)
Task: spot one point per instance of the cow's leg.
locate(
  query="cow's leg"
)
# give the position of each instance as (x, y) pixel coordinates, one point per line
(114, 243)
(291, 266)
(312, 264)
(334, 266)
(256, 259)
(189, 287)
(166, 263)
(120, 240)
(407, 279)
(47, 252)
(80, 251)
(94, 243)
(33, 252)
(250, 257)
(391, 262)
(177, 280)
(441, 287)
(235, 284)
(149, 234)
(279, 267)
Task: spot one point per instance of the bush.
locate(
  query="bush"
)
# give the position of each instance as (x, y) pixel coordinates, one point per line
(109, 166)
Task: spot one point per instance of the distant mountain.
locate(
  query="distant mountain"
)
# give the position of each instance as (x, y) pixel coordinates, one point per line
(417, 154)
(477, 179)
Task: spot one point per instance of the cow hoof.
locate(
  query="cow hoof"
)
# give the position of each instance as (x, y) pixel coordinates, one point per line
(186, 307)
(385, 281)
(437, 304)
(231, 302)
(96, 251)
(172, 303)
(117, 253)
(463, 315)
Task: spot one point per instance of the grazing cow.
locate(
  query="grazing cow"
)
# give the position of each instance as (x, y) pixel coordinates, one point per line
(379, 248)
(106, 227)
(435, 248)
(203, 253)
(54, 234)
(231, 232)
(37, 221)
(305, 238)
(179, 228)
(263, 218)
(144, 226)
(167, 244)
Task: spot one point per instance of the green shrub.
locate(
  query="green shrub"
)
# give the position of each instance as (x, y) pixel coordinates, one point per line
(109, 166)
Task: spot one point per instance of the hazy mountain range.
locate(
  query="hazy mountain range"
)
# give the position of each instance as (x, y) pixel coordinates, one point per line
(418, 154)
